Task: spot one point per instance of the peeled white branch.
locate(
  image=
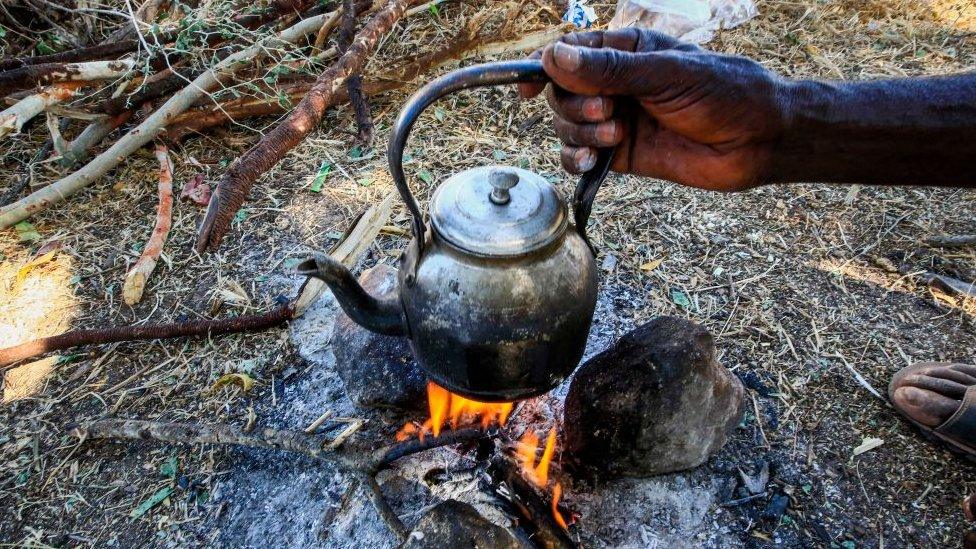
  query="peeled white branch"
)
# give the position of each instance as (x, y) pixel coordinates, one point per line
(151, 126)
(135, 279)
(12, 120)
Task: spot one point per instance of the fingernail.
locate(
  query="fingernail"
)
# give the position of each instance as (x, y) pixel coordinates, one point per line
(585, 159)
(606, 132)
(593, 108)
(567, 57)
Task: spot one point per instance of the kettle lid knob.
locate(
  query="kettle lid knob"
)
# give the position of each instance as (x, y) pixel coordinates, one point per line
(501, 181)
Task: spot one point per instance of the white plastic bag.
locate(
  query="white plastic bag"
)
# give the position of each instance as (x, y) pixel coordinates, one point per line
(688, 20)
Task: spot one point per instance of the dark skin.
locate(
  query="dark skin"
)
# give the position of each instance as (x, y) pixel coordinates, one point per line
(723, 123)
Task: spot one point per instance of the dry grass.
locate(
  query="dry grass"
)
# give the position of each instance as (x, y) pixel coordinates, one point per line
(794, 281)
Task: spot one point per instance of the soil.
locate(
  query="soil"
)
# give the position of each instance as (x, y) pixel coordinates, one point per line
(812, 292)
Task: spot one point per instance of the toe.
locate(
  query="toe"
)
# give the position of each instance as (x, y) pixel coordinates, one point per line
(952, 374)
(927, 407)
(946, 387)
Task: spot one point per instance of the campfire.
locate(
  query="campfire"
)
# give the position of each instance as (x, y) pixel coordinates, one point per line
(457, 411)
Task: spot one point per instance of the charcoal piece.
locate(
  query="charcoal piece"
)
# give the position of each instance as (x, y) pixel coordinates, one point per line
(656, 401)
(377, 371)
(455, 524)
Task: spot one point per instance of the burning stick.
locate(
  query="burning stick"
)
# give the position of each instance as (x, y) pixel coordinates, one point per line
(530, 504)
(135, 280)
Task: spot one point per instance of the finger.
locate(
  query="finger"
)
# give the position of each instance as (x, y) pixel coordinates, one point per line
(627, 39)
(954, 375)
(577, 159)
(606, 71)
(579, 108)
(528, 90)
(603, 134)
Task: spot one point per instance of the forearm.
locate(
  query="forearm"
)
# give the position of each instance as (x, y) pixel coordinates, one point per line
(913, 131)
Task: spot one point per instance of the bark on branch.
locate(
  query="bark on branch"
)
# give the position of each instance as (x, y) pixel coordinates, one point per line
(42, 75)
(233, 187)
(76, 338)
(135, 279)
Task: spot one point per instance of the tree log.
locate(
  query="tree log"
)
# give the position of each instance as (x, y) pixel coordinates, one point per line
(234, 186)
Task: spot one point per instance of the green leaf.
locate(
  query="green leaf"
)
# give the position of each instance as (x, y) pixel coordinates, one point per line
(27, 232)
(241, 215)
(153, 501)
(324, 170)
(434, 10)
(356, 152)
(499, 154)
(22, 477)
(439, 114)
(169, 467)
(364, 181)
(680, 299)
(524, 163)
(425, 176)
(3, 31)
(43, 48)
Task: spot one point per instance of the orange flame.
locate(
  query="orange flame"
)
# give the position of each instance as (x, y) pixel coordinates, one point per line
(444, 405)
(538, 473)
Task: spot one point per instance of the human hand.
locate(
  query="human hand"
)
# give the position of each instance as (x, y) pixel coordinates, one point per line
(672, 110)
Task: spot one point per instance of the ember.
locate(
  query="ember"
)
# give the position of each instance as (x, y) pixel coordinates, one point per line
(445, 405)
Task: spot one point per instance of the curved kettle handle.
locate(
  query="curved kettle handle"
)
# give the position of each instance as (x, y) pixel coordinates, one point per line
(476, 76)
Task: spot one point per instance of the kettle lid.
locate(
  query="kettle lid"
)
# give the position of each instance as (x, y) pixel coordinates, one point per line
(498, 211)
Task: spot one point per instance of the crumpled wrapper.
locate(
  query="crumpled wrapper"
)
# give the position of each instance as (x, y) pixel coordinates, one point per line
(692, 21)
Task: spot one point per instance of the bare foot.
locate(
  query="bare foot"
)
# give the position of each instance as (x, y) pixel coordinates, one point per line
(933, 393)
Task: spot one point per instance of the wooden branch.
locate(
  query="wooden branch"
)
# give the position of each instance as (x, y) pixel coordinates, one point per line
(354, 84)
(529, 504)
(951, 241)
(44, 75)
(79, 149)
(12, 120)
(99, 336)
(232, 189)
(135, 279)
(150, 127)
(101, 51)
(459, 47)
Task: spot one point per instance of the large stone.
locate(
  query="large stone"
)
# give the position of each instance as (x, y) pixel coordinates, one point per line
(377, 371)
(656, 401)
(452, 524)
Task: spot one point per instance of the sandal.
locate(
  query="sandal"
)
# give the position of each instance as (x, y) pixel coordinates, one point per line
(959, 431)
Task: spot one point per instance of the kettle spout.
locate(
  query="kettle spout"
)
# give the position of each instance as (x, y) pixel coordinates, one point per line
(380, 315)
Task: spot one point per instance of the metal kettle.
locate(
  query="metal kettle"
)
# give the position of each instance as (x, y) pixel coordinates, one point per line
(498, 293)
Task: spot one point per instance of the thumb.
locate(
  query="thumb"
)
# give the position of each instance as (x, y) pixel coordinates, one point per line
(608, 71)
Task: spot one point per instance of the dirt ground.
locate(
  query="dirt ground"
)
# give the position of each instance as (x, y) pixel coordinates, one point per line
(812, 291)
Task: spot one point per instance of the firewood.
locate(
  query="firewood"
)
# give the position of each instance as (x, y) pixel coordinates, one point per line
(150, 127)
(12, 120)
(232, 189)
(135, 279)
(43, 75)
(354, 85)
(99, 336)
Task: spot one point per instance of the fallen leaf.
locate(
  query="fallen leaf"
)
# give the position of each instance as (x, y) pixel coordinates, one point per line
(153, 501)
(25, 271)
(245, 381)
(680, 299)
(320, 177)
(651, 265)
(425, 176)
(196, 190)
(169, 467)
(26, 232)
(869, 443)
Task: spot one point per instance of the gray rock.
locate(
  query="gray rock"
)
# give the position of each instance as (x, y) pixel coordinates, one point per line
(656, 401)
(454, 524)
(377, 371)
